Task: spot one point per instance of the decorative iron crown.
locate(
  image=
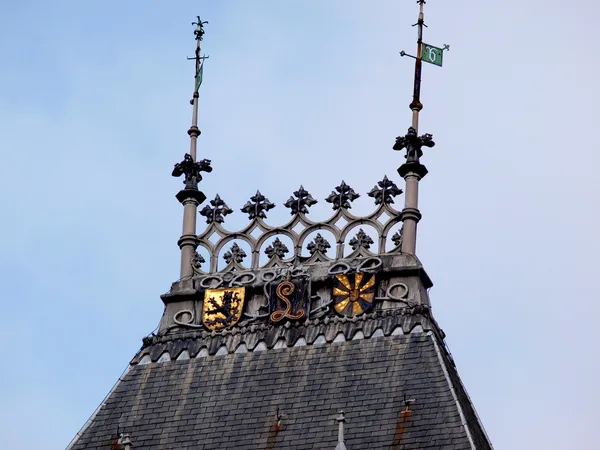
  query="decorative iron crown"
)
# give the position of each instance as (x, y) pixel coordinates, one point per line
(258, 232)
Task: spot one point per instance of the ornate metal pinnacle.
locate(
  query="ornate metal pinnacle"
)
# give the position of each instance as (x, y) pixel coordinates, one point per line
(342, 198)
(257, 206)
(191, 170)
(301, 203)
(413, 144)
(216, 211)
(386, 191)
(318, 244)
(361, 239)
(397, 237)
(236, 254)
(197, 260)
(199, 31)
(277, 248)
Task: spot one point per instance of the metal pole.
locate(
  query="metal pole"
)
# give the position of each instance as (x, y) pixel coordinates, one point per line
(187, 242)
(416, 104)
(411, 214)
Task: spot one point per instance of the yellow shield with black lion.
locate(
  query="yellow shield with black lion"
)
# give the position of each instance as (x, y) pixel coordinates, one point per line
(222, 307)
(353, 294)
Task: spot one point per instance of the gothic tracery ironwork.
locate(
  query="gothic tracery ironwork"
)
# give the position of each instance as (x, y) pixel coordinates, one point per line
(300, 227)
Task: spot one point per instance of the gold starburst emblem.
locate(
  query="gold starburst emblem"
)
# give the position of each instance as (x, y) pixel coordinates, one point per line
(352, 297)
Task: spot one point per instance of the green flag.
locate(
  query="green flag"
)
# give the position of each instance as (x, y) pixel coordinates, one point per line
(432, 55)
(199, 75)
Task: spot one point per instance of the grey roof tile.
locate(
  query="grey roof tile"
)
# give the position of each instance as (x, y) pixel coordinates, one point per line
(231, 401)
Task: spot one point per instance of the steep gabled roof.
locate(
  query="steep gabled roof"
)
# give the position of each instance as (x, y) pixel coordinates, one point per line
(288, 398)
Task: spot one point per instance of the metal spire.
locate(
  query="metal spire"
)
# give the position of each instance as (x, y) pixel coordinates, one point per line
(425, 52)
(194, 132)
(190, 197)
(416, 106)
(412, 171)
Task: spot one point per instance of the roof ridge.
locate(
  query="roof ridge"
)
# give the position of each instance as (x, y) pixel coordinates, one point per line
(442, 354)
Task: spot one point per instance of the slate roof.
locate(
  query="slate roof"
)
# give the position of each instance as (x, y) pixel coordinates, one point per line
(233, 401)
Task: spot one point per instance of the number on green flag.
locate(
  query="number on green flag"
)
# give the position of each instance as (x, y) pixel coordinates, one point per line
(432, 55)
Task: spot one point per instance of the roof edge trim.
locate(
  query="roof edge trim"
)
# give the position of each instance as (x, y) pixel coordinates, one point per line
(97, 410)
(452, 390)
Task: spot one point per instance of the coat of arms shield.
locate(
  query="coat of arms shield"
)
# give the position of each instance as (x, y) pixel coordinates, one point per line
(353, 294)
(222, 307)
(289, 300)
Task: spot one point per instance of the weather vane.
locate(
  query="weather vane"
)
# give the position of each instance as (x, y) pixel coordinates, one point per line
(425, 52)
(199, 33)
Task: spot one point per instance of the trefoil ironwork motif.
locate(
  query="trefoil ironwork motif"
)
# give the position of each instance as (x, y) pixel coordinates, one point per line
(343, 197)
(301, 203)
(318, 244)
(361, 240)
(277, 248)
(216, 211)
(257, 206)
(385, 191)
(236, 254)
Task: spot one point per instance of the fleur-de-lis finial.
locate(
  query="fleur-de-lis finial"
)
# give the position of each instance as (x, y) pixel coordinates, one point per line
(216, 211)
(385, 191)
(342, 198)
(236, 254)
(361, 239)
(277, 248)
(257, 206)
(199, 31)
(413, 144)
(191, 170)
(318, 244)
(301, 203)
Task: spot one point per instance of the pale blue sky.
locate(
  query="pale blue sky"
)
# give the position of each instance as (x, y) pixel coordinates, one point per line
(94, 112)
